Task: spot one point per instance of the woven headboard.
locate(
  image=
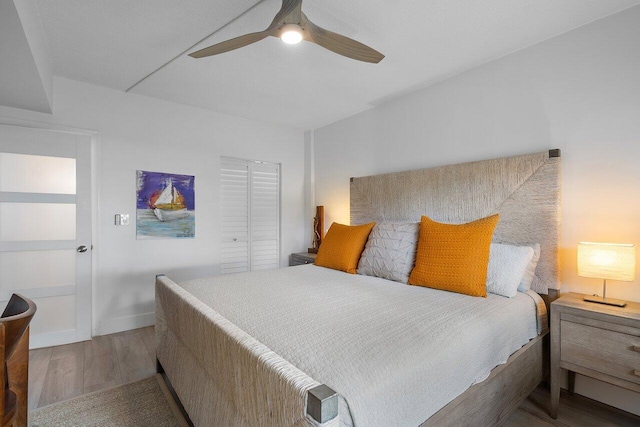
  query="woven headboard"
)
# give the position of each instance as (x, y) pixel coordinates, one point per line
(524, 190)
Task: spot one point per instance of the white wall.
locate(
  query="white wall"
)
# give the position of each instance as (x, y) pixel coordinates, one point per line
(579, 92)
(136, 132)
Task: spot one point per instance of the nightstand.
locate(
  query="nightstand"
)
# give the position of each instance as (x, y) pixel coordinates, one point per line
(595, 340)
(302, 258)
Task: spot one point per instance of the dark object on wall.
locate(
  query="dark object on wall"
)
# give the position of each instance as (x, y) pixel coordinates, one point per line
(318, 229)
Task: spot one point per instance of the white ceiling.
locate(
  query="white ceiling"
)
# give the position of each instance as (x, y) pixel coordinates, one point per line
(117, 43)
(25, 72)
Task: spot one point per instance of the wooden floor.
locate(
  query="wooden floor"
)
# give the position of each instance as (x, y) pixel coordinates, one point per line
(60, 373)
(574, 411)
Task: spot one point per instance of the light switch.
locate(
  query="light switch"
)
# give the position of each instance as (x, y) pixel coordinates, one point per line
(122, 219)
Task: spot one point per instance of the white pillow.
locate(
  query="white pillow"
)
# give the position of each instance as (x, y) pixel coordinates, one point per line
(507, 265)
(390, 252)
(530, 272)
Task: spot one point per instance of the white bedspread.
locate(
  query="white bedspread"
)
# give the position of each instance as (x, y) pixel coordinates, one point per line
(395, 353)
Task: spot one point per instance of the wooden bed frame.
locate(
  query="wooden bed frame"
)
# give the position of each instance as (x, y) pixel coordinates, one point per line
(525, 190)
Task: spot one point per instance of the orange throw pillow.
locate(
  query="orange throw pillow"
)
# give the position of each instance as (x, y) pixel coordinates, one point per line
(342, 246)
(454, 257)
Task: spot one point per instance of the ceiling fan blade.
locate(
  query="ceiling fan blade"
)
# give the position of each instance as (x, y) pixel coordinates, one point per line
(232, 44)
(339, 44)
(289, 7)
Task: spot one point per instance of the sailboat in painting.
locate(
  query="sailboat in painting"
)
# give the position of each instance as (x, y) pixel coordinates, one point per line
(169, 204)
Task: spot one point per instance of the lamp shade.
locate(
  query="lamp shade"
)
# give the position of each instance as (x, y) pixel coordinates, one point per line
(609, 261)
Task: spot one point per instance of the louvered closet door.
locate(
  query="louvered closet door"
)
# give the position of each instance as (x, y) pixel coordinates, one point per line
(264, 218)
(250, 227)
(234, 178)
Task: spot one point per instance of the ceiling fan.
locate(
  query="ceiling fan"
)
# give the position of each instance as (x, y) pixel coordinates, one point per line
(293, 26)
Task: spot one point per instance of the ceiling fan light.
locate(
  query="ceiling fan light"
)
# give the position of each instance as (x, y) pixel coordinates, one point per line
(291, 34)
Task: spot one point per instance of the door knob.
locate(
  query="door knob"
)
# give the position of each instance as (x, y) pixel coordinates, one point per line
(82, 249)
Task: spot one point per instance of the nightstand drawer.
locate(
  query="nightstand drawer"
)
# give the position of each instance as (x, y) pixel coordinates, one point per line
(601, 350)
(302, 259)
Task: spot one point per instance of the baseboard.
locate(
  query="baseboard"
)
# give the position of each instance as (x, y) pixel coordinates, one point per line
(120, 324)
(609, 394)
(54, 338)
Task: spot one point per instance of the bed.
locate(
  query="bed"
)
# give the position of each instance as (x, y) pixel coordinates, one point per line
(269, 348)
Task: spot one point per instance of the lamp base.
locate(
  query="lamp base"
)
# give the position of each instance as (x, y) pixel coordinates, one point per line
(607, 301)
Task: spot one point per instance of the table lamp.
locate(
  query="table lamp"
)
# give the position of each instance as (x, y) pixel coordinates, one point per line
(606, 261)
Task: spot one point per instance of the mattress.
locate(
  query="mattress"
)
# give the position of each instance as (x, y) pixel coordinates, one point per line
(395, 353)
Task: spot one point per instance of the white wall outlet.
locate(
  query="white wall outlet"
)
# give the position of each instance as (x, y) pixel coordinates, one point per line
(122, 219)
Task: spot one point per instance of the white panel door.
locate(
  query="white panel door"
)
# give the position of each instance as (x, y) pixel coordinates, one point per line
(45, 229)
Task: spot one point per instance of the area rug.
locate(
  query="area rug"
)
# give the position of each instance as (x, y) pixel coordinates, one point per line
(142, 403)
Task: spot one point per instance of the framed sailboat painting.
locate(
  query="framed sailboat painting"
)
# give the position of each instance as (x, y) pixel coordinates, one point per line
(165, 206)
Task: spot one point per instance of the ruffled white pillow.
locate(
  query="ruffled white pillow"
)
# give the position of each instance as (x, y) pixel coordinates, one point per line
(527, 279)
(507, 267)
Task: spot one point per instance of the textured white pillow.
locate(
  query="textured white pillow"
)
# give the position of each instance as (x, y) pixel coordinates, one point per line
(507, 265)
(530, 272)
(390, 252)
